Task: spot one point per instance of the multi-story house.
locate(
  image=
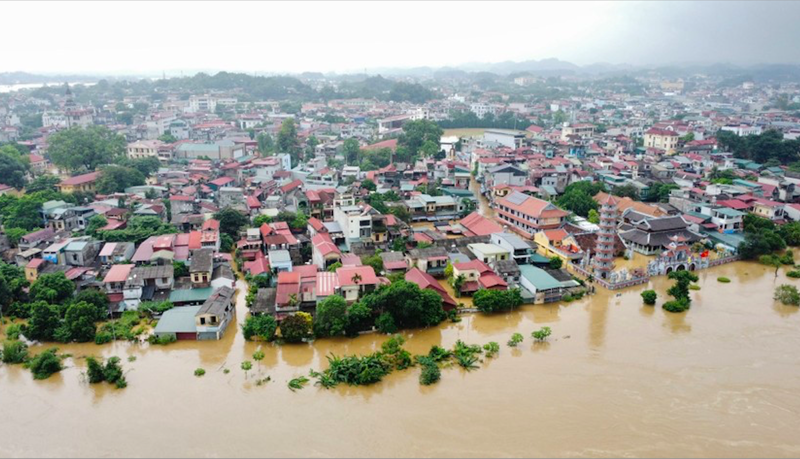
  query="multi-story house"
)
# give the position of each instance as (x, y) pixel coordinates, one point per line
(528, 215)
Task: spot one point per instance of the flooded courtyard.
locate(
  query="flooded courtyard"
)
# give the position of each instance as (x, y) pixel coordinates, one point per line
(617, 378)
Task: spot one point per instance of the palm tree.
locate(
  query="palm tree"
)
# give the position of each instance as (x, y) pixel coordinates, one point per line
(357, 278)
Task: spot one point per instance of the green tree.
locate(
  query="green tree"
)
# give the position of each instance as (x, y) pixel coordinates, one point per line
(266, 145)
(114, 179)
(288, 141)
(179, 269)
(97, 298)
(14, 352)
(79, 322)
(45, 364)
(680, 291)
(262, 327)
(593, 217)
(261, 219)
(351, 150)
(13, 168)
(489, 301)
(359, 318)
(787, 294)
(53, 288)
(95, 223)
(331, 317)
(541, 334)
(555, 263)
(43, 183)
(417, 133)
(626, 191)
(649, 297)
(231, 221)
(167, 137)
(578, 197)
(247, 366)
(295, 328)
(78, 148)
(409, 306)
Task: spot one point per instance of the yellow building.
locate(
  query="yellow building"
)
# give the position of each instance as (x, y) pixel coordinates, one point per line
(85, 182)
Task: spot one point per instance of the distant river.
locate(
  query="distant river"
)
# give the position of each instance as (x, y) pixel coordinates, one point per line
(4, 88)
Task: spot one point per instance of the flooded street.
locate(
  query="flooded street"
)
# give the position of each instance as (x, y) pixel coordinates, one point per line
(617, 378)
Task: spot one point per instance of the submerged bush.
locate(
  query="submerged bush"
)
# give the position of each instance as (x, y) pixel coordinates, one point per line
(724, 280)
(14, 352)
(45, 364)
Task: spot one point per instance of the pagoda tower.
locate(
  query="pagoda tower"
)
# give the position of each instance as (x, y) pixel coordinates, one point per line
(604, 250)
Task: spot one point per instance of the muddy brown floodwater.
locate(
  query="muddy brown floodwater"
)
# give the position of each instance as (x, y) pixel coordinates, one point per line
(617, 378)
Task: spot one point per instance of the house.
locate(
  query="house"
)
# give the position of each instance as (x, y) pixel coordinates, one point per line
(323, 251)
(200, 268)
(477, 275)
(144, 149)
(394, 262)
(662, 139)
(559, 243)
(476, 224)
(355, 281)
(520, 250)
(431, 260)
(542, 286)
(115, 279)
(424, 207)
(179, 322)
(506, 174)
(489, 253)
(215, 314)
(81, 253)
(85, 183)
(651, 234)
(287, 299)
(528, 215)
(160, 277)
(280, 260)
(37, 239)
(426, 282)
(508, 270)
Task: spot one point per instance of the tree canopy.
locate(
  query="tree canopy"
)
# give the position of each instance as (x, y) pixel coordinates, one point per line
(79, 148)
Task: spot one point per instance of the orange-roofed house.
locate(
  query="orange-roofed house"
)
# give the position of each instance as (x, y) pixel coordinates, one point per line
(323, 251)
(559, 243)
(354, 281)
(528, 215)
(478, 225)
(426, 281)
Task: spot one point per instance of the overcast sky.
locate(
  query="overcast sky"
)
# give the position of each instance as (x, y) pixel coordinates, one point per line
(151, 37)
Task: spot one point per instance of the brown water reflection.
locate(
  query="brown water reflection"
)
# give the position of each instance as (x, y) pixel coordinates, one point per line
(616, 378)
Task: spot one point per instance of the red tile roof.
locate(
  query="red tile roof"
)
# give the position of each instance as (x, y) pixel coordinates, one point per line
(346, 274)
(81, 179)
(426, 281)
(479, 225)
(118, 273)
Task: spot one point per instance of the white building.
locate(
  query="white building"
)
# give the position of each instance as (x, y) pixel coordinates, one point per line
(742, 129)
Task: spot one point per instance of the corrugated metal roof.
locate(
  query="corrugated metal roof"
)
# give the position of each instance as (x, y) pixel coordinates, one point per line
(178, 320)
(190, 294)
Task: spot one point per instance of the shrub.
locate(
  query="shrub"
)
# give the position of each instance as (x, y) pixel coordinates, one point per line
(199, 372)
(94, 370)
(489, 301)
(296, 328)
(103, 338)
(14, 352)
(386, 324)
(516, 338)
(541, 334)
(466, 355)
(491, 348)
(649, 297)
(676, 305)
(430, 373)
(162, 340)
(262, 327)
(694, 287)
(794, 274)
(13, 331)
(724, 280)
(45, 364)
(787, 294)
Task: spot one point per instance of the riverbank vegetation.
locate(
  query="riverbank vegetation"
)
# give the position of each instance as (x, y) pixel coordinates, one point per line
(787, 294)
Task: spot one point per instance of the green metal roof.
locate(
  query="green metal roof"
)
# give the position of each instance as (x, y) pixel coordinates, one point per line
(539, 277)
(178, 320)
(190, 295)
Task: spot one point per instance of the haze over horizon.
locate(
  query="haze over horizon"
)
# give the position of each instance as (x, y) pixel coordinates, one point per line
(124, 38)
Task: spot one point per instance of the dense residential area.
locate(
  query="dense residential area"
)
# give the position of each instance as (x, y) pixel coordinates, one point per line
(337, 207)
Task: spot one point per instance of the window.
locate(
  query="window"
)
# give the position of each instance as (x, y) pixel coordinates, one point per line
(202, 321)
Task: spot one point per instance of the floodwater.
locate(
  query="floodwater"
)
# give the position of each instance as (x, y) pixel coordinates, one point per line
(616, 379)
(483, 204)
